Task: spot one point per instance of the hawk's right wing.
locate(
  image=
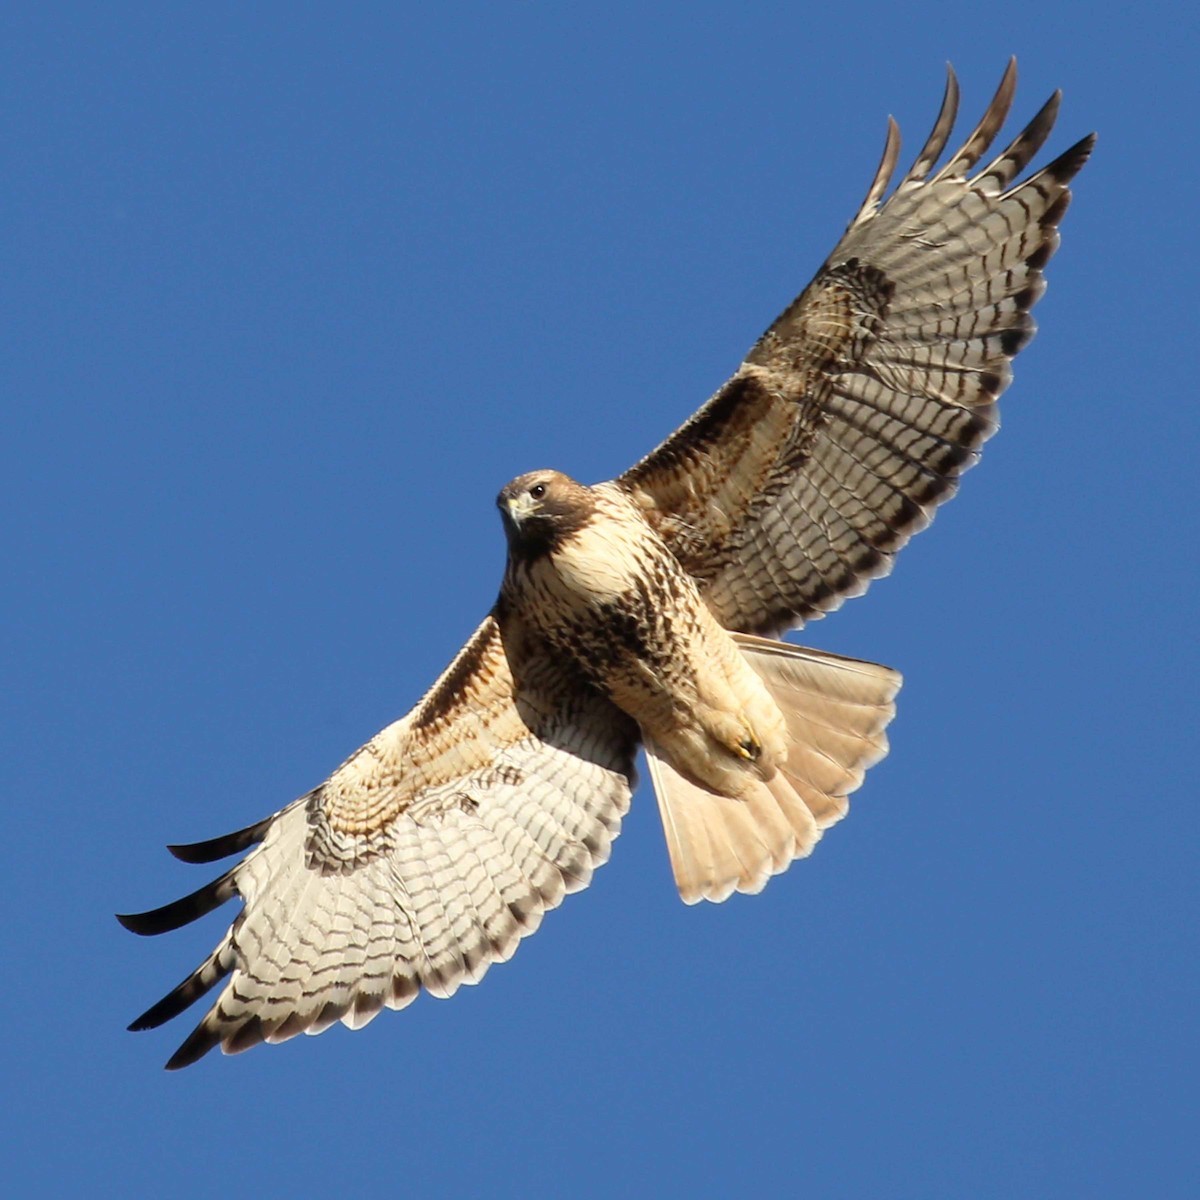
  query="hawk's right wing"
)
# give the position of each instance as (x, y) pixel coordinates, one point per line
(424, 858)
(856, 412)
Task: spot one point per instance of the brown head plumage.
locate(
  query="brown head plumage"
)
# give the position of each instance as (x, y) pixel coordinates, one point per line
(540, 509)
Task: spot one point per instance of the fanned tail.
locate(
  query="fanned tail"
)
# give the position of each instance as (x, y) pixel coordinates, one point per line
(836, 710)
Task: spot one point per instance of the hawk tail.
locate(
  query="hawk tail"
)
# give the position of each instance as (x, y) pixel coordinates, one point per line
(836, 710)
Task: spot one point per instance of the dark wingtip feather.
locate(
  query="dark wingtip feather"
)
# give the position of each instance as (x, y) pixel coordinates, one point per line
(223, 846)
(252, 1031)
(1068, 164)
(989, 125)
(935, 143)
(883, 174)
(198, 1043)
(209, 973)
(1033, 137)
(171, 1005)
(180, 912)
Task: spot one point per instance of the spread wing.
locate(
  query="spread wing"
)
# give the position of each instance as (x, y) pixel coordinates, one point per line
(855, 413)
(424, 858)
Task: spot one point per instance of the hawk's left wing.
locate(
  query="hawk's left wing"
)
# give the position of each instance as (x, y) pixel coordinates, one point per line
(856, 412)
(424, 858)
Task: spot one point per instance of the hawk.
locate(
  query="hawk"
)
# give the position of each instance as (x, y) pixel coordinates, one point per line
(642, 611)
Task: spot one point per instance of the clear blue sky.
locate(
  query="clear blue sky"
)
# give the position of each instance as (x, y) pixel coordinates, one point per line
(287, 296)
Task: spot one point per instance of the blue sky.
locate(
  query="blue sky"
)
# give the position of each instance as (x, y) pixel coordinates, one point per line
(287, 296)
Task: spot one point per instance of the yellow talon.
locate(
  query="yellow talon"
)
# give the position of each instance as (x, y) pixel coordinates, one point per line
(750, 749)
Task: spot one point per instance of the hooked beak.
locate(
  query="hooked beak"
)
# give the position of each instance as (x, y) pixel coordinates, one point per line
(517, 508)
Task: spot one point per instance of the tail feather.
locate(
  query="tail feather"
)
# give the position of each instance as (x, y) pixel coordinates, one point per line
(825, 810)
(719, 845)
(836, 710)
(798, 809)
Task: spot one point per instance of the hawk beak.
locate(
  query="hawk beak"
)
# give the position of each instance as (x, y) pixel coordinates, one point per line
(519, 507)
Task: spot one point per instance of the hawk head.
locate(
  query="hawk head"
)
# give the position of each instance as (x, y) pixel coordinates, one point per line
(540, 509)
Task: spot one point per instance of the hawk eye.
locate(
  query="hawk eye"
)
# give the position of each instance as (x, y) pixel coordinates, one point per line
(537, 491)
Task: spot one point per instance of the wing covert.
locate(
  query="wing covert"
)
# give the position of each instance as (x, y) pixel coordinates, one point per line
(853, 416)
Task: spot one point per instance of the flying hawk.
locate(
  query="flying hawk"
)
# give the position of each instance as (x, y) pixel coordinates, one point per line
(641, 611)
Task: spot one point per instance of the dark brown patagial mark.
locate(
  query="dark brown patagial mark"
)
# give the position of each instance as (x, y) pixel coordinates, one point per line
(448, 693)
